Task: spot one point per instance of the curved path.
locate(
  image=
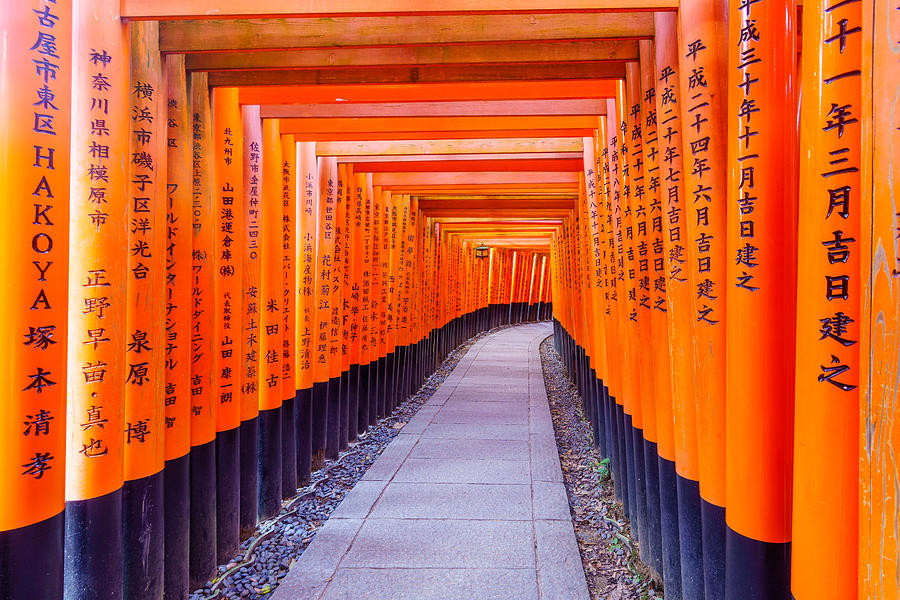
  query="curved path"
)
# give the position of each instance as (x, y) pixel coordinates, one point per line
(466, 502)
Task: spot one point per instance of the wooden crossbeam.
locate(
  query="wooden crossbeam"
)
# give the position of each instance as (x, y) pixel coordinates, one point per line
(421, 74)
(496, 204)
(452, 146)
(438, 135)
(498, 108)
(470, 179)
(490, 213)
(400, 125)
(309, 58)
(276, 34)
(433, 92)
(512, 165)
(218, 9)
(416, 158)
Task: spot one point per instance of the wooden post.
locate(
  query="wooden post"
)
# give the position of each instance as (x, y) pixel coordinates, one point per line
(270, 320)
(289, 470)
(826, 409)
(703, 75)
(306, 264)
(34, 168)
(349, 374)
(336, 335)
(679, 296)
(228, 177)
(668, 547)
(760, 328)
(618, 305)
(643, 223)
(879, 545)
(203, 409)
(252, 315)
(358, 370)
(93, 464)
(324, 244)
(143, 418)
(177, 396)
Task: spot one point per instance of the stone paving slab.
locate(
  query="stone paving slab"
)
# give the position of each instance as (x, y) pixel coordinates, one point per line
(402, 500)
(452, 470)
(474, 449)
(466, 502)
(432, 543)
(476, 431)
(433, 584)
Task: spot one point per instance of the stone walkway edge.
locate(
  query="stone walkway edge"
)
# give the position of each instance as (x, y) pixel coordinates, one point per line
(466, 502)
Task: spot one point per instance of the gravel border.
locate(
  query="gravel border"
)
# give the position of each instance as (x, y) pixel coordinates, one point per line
(608, 553)
(265, 558)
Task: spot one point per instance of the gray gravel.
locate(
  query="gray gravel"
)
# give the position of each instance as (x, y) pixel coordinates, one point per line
(608, 551)
(265, 557)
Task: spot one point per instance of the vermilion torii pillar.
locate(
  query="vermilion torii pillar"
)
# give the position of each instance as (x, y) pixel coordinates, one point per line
(702, 53)
(761, 281)
(679, 296)
(826, 409)
(306, 264)
(34, 168)
(203, 408)
(143, 417)
(271, 321)
(177, 393)
(879, 244)
(97, 299)
(288, 239)
(252, 314)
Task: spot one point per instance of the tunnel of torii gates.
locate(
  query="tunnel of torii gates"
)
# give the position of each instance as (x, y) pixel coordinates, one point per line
(235, 234)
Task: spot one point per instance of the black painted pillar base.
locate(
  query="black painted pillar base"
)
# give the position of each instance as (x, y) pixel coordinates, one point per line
(143, 535)
(690, 539)
(228, 489)
(203, 514)
(303, 403)
(93, 556)
(31, 560)
(268, 455)
(249, 477)
(344, 395)
(629, 501)
(319, 423)
(654, 526)
(353, 403)
(362, 395)
(712, 523)
(757, 570)
(668, 510)
(288, 448)
(333, 425)
(640, 495)
(177, 490)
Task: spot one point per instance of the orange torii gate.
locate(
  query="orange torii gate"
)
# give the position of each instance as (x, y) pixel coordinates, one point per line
(177, 365)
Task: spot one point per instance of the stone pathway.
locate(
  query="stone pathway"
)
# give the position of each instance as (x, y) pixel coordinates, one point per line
(467, 502)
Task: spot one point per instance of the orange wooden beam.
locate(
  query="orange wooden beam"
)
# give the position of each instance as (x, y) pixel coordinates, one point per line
(509, 165)
(468, 179)
(438, 109)
(450, 146)
(438, 135)
(540, 71)
(399, 125)
(417, 158)
(275, 34)
(431, 54)
(433, 92)
(219, 9)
